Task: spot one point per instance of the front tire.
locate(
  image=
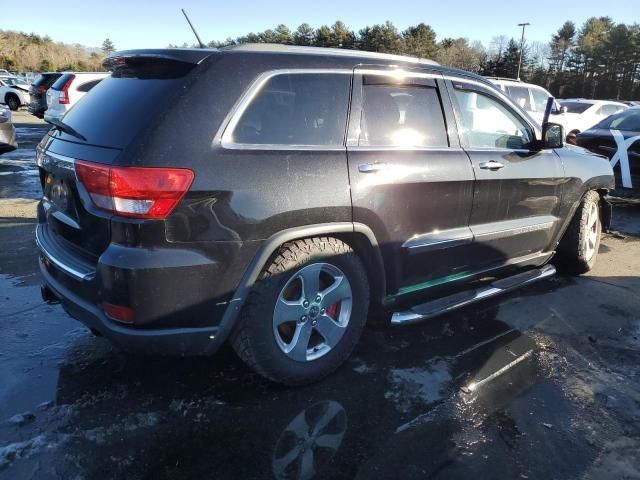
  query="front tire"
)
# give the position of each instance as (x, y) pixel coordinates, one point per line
(13, 102)
(305, 313)
(578, 248)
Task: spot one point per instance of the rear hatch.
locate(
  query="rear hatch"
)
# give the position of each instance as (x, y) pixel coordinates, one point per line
(95, 132)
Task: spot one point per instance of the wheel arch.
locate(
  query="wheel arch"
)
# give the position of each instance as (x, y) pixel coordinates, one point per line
(360, 237)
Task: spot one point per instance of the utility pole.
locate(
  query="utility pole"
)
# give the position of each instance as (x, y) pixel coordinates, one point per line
(523, 25)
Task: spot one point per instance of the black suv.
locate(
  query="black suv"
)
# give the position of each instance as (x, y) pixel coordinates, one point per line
(38, 91)
(273, 196)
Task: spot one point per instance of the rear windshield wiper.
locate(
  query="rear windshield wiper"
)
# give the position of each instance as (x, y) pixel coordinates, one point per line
(63, 127)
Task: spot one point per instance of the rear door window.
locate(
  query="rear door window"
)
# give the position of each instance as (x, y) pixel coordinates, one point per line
(402, 116)
(304, 109)
(520, 95)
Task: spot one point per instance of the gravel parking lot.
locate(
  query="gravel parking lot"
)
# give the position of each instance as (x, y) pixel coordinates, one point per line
(542, 383)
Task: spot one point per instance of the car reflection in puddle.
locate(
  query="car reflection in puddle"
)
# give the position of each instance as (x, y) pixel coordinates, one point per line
(448, 398)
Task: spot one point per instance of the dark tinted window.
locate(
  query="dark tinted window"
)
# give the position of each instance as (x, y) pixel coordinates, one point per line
(520, 95)
(85, 87)
(396, 115)
(117, 108)
(297, 109)
(62, 81)
(576, 107)
(46, 79)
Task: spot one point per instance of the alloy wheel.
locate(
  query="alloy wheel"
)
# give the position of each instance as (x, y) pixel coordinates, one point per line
(312, 312)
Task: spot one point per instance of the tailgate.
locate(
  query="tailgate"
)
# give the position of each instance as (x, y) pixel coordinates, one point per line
(63, 207)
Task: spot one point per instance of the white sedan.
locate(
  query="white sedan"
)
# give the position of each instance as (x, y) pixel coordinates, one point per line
(578, 115)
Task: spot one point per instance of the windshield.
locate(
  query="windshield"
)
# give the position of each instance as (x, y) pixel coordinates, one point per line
(627, 120)
(15, 81)
(576, 107)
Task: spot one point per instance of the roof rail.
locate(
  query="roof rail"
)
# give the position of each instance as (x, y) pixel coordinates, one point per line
(505, 78)
(338, 52)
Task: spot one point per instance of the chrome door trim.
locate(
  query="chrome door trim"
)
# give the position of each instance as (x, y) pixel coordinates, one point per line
(438, 240)
(510, 228)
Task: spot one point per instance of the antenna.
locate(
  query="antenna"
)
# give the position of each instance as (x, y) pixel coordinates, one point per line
(202, 45)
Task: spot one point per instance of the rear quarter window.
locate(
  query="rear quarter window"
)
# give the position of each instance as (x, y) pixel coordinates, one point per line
(306, 109)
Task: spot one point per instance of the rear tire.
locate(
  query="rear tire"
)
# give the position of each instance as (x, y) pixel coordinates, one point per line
(327, 317)
(13, 102)
(578, 248)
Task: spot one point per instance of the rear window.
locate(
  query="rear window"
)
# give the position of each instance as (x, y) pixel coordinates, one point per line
(576, 107)
(62, 81)
(46, 79)
(116, 109)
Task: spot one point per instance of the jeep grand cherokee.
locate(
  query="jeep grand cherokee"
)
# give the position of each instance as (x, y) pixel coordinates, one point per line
(273, 196)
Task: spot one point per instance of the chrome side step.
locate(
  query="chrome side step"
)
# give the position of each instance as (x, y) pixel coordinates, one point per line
(458, 300)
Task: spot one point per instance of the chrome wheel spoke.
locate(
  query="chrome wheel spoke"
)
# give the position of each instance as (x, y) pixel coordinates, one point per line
(311, 280)
(297, 349)
(286, 311)
(330, 330)
(338, 291)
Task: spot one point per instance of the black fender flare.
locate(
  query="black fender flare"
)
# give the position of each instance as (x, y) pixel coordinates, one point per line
(272, 244)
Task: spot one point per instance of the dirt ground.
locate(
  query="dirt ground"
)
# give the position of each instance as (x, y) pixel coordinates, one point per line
(543, 383)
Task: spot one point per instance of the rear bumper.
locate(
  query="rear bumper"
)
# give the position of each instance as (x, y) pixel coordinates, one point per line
(167, 341)
(176, 294)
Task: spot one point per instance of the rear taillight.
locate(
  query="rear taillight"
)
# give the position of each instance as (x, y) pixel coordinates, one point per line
(136, 192)
(64, 91)
(41, 89)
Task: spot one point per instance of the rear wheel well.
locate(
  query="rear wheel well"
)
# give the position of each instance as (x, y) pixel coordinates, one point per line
(368, 254)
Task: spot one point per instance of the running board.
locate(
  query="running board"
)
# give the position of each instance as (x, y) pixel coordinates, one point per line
(458, 300)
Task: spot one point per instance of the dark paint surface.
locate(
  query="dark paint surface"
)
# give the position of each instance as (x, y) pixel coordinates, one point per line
(71, 406)
(240, 198)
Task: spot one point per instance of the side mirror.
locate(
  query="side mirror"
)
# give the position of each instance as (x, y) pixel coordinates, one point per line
(552, 135)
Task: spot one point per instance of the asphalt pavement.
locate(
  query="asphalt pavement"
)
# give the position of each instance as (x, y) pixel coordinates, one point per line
(543, 383)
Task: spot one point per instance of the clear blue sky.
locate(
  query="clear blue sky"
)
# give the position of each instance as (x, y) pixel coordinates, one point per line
(143, 23)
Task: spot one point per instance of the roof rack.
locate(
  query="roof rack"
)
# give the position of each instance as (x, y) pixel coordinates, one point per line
(338, 52)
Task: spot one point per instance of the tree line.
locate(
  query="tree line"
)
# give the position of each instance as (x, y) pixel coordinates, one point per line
(35, 53)
(599, 59)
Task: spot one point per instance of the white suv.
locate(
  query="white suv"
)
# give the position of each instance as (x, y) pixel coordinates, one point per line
(67, 90)
(530, 97)
(14, 91)
(578, 114)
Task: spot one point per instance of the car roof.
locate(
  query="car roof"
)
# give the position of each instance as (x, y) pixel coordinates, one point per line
(334, 52)
(592, 102)
(326, 57)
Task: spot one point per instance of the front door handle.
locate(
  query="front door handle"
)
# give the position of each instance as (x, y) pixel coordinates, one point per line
(491, 165)
(371, 167)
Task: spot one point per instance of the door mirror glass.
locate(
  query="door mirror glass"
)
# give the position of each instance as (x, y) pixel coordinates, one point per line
(552, 135)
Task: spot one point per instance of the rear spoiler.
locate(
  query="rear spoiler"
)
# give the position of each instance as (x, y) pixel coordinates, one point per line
(165, 61)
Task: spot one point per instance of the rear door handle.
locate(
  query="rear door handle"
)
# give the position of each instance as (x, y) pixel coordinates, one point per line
(491, 165)
(371, 167)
